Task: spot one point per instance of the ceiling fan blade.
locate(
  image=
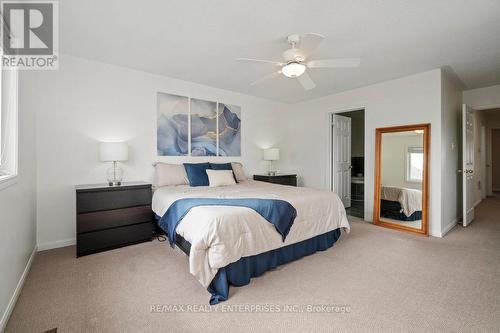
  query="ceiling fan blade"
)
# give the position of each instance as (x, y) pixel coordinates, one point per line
(276, 63)
(265, 78)
(306, 81)
(334, 63)
(310, 42)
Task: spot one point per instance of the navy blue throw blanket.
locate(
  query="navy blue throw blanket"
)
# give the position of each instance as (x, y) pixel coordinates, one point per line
(280, 213)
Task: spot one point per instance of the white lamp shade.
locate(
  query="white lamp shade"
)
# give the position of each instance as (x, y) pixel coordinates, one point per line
(271, 154)
(113, 151)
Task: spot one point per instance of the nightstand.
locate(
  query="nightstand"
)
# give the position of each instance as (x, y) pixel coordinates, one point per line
(280, 178)
(109, 217)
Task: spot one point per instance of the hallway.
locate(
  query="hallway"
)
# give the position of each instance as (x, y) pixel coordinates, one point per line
(484, 232)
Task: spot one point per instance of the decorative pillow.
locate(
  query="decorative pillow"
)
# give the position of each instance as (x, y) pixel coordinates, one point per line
(239, 173)
(223, 166)
(169, 174)
(197, 174)
(220, 177)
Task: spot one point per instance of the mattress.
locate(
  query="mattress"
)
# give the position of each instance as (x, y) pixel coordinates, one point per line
(222, 235)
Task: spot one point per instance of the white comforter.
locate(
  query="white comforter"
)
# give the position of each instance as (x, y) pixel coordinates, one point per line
(409, 199)
(220, 235)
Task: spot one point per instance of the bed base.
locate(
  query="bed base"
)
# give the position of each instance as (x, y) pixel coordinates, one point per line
(392, 210)
(240, 272)
(183, 244)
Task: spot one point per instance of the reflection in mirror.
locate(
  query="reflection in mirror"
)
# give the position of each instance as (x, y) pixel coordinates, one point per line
(401, 178)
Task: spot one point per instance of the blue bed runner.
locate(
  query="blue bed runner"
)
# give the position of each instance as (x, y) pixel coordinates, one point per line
(280, 213)
(240, 272)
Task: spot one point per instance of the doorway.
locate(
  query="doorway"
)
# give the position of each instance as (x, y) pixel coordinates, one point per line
(347, 174)
(485, 177)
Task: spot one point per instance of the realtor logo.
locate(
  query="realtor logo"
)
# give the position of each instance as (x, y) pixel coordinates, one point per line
(30, 34)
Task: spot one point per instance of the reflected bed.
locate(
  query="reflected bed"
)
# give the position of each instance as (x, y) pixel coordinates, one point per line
(400, 203)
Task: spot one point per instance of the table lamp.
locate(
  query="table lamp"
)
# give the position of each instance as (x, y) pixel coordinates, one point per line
(271, 154)
(114, 152)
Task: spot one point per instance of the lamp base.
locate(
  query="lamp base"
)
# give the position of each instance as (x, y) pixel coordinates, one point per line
(114, 175)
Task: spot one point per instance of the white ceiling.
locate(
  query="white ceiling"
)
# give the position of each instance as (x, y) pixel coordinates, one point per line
(199, 40)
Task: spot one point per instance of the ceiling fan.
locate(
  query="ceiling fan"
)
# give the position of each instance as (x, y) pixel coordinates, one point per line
(296, 60)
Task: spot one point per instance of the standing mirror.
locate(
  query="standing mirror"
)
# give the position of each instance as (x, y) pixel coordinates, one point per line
(401, 178)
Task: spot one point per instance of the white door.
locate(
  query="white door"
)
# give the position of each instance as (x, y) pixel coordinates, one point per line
(467, 164)
(341, 158)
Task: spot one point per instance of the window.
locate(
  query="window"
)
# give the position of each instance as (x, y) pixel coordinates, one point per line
(415, 165)
(8, 125)
(8, 121)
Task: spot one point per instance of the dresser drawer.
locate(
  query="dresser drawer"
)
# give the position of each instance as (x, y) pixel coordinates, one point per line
(93, 201)
(284, 181)
(87, 222)
(97, 241)
(290, 180)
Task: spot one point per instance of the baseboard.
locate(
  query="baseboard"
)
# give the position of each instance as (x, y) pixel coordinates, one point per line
(56, 244)
(450, 226)
(17, 291)
(477, 202)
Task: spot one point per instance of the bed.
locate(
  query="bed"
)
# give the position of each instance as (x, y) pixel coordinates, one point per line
(230, 245)
(401, 203)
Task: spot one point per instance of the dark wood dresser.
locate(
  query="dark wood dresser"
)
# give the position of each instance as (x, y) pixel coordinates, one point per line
(280, 178)
(110, 217)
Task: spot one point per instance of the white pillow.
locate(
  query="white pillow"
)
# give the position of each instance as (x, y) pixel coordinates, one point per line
(220, 177)
(169, 174)
(239, 173)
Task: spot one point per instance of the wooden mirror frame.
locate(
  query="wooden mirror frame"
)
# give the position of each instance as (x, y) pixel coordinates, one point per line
(425, 182)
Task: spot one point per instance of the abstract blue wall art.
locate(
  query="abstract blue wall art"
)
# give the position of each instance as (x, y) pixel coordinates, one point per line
(229, 117)
(195, 127)
(203, 128)
(172, 126)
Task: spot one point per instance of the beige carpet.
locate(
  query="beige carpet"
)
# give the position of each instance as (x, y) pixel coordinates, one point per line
(392, 281)
(413, 224)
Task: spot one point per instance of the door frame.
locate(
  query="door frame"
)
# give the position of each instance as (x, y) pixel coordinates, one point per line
(329, 152)
(425, 182)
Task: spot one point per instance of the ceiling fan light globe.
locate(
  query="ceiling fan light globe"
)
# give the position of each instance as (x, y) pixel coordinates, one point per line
(293, 69)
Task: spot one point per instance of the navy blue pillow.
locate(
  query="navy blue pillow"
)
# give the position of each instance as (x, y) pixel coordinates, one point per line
(223, 166)
(197, 173)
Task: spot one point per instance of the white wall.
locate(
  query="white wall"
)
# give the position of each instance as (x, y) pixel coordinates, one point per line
(483, 98)
(410, 100)
(451, 181)
(17, 210)
(85, 102)
(394, 159)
